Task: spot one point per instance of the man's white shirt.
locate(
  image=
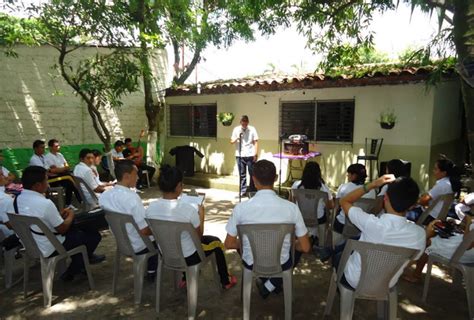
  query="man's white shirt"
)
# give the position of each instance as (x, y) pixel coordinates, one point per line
(83, 171)
(266, 207)
(249, 136)
(345, 189)
(4, 173)
(116, 154)
(121, 199)
(178, 211)
(39, 161)
(55, 160)
(33, 204)
(388, 229)
(6, 202)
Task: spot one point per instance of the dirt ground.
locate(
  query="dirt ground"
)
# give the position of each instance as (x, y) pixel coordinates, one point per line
(310, 285)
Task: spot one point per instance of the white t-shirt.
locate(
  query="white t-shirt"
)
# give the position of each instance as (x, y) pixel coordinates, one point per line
(121, 199)
(6, 202)
(248, 138)
(345, 189)
(57, 160)
(4, 173)
(83, 171)
(388, 229)
(39, 161)
(446, 247)
(33, 204)
(178, 211)
(116, 154)
(321, 204)
(442, 186)
(266, 207)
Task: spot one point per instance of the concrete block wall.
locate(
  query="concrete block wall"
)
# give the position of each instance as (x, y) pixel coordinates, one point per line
(30, 110)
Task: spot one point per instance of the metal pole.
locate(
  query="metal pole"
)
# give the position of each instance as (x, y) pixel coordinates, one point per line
(280, 137)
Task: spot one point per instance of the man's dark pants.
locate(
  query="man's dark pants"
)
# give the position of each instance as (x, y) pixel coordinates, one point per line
(244, 163)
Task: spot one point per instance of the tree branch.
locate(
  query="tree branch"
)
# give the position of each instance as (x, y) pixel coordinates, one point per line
(187, 71)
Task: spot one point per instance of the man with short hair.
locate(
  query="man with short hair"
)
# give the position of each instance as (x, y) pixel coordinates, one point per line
(391, 228)
(32, 202)
(84, 171)
(58, 167)
(117, 151)
(122, 199)
(136, 155)
(245, 138)
(267, 207)
(38, 159)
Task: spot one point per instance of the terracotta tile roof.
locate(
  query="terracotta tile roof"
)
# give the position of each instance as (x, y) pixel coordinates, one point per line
(354, 77)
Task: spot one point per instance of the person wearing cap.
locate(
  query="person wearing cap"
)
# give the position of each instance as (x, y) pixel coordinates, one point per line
(245, 139)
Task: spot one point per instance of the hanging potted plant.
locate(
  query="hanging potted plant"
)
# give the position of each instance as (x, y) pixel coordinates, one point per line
(387, 119)
(225, 118)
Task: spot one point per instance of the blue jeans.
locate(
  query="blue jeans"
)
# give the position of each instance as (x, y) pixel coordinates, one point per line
(244, 163)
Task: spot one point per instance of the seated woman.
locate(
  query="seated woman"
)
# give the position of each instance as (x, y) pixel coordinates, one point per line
(312, 179)
(448, 180)
(170, 208)
(444, 247)
(356, 176)
(397, 168)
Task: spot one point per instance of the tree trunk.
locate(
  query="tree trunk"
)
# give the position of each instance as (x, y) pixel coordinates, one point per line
(463, 23)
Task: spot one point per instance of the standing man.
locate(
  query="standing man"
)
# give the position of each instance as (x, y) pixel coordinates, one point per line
(245, 138)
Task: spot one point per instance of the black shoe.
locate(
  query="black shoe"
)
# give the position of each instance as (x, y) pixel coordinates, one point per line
(67, 276)
(325, 254)
(264, 293)
(96, 258)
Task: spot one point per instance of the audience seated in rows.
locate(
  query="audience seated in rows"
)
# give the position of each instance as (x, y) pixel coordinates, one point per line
(32, 202)
(122, 199)
(267, 207)
(170, 208)
(312, 179)
(391, 228)
(448, 180)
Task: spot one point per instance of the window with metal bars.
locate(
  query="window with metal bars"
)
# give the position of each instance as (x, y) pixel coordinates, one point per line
(192, 120)
(318, 120)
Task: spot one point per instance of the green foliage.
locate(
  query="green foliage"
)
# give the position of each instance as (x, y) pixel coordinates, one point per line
(388, 117)
(225, 117)
(15, 31)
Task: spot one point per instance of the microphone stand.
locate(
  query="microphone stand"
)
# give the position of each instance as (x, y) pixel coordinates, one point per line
(280, 140)
(240, 166)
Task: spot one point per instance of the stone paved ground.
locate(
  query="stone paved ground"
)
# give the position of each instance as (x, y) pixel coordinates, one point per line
(74, 301)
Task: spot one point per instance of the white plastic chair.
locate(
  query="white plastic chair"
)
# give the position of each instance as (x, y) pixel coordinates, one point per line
(8, 259)
(467, 270)
(22, 224)
(89, 201)
(308, 202)
(266, 241)
(446, 199)
(118, 224)
(379, 264)
(168, 236)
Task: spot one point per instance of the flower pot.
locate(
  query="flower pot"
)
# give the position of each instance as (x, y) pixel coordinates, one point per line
(386, 125)
(227, 123)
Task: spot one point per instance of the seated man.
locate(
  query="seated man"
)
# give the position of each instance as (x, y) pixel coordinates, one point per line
(5, 202)
(38, 159)
(57, 167)
(31, 202)
(97, 162)
(84, 171)
(117, 154)
(267, 207)
(391, 228)
(136, 155)
(123, 200)
(171, 209)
